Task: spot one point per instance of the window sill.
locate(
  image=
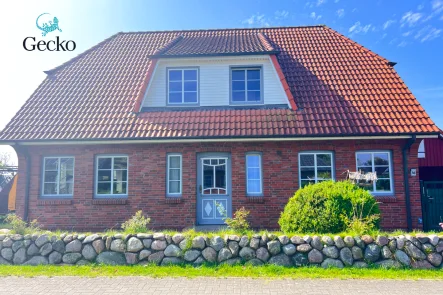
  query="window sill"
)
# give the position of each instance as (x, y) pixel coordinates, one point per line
(386, 198)
(54, 202)
(173, 200)
(255, 199)
(110, 201)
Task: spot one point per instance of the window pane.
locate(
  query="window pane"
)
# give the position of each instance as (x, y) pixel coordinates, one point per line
(67, 163)
(220, 176)
(253, 173)
(104, 188)
(253, 85)
(383, 185)
(175, 97)
(104, 175)
(238, 75)
(307, 173)
(382, 172)
(238, 96)
(190, 74)
(174, 187)
(253, 160)
(121, 163)
(51, 164)
(324, 160)
(254, 96)
(307, 160)
(120, 187)
(306, 182)
(208, 176)
(66, 188)
(190, 96)
(50, 176)
(66, 175)
(175, 75)
(254, 186)
(104, 163)
(191, 86)
(254, 74)
(364, 159)
(324, 173)
(238, 85)
(120, 175)
(174, 174)
(381, 159)
(174, 162)
(175, 86)
(50, 188)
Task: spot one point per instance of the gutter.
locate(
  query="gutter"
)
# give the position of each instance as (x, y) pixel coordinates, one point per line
(405, 150)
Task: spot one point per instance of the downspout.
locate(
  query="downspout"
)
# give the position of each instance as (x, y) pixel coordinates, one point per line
(407, 146)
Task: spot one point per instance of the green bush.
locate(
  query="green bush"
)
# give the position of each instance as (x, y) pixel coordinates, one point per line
(239, 222)
(136, 224)
(330, 207)
(19, 226)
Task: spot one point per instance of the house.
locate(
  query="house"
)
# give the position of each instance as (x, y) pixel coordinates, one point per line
(189, 126)
(430, 162)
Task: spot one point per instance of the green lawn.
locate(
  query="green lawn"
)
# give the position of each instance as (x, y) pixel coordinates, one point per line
(268, 272)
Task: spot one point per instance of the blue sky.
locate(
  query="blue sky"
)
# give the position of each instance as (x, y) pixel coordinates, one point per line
(407, 32)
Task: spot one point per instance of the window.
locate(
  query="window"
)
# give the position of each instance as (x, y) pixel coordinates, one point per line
(315, 167)
(253, 174)
(112, 176)
(379, 162)
(174, 177)
(246, 85)
(183, 86)
(58, 176)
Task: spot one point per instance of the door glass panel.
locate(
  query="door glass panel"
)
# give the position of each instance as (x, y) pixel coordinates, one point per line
(214, 176)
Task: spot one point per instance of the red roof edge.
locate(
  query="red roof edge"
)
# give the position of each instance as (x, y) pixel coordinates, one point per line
(144, 86)
(283, 81)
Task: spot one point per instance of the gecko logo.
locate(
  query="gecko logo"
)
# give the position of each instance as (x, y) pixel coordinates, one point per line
(48, 24)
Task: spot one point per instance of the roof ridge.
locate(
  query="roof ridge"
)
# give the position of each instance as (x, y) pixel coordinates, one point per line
(224, 29)
(52, 71)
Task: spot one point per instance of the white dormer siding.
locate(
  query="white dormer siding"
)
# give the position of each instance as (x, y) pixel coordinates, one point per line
(214, 80)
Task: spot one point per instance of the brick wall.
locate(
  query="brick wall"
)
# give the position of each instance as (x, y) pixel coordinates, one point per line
(147, 163)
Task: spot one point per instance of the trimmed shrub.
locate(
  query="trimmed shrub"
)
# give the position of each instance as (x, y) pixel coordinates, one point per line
(330, 207)
(137, 223)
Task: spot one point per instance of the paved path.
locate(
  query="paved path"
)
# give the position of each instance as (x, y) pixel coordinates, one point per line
(212, 286)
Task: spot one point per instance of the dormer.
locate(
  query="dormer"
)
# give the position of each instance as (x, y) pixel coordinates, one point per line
(227, 71)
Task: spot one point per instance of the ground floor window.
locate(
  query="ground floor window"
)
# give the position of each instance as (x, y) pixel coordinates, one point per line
(112, 176)
(58, 176)
(379, 162)
(174, 175)
(315, 167)
(254, 180)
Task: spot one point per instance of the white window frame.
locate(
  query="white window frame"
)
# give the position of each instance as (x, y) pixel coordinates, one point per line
(183, 69)
(96, 195)
(260, 166)
(315, 153)
(58, 195)
(231, 90)
(168, 168)
(391, 175)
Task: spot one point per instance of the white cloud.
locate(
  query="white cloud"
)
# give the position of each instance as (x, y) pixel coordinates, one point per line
(410, 18)
(257, 20)
(281, 14)
(420, 7)
(384, 35)
(402, 44)
(388, 23)
(313, 15)
(354, 10)
(358, 28)
(406, 33)
(336, 1)
(320, 2)
(340, 13)
(437, 6)
(428, 33)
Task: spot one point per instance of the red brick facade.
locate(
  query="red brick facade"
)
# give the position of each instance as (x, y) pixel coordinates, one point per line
(147, 166)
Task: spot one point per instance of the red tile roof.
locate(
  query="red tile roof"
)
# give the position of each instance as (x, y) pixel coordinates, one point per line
(211, 44)
(340, 89)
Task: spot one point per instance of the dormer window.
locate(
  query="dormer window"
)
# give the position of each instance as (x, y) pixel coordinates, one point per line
(246, 85)
(183, 86)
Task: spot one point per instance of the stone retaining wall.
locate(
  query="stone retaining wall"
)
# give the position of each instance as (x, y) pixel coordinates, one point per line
(402, 251)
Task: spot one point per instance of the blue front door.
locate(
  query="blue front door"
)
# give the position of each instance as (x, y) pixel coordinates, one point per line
(213, 188)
